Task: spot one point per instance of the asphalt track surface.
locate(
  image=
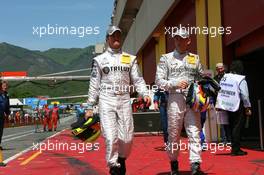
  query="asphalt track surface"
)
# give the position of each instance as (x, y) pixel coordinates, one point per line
(147, 158)
(18, 139)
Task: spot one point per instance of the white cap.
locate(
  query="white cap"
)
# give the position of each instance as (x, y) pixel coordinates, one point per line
(219, 65)
(182, 32)
(112, 29)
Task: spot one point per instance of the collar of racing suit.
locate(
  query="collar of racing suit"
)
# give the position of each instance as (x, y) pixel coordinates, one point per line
(178, 55)
(114, 51)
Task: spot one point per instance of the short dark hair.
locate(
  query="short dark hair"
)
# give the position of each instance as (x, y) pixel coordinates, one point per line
(3, 82)
(237, 67)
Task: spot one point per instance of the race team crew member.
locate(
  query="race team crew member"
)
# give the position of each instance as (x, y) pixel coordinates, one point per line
(54, 117)
(175, 72)
(112, 73)
(222, 117)
(46, 118)
(234, 97)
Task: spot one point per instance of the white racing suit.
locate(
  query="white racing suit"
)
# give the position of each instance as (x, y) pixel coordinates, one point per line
(111, 76)
(172, 69)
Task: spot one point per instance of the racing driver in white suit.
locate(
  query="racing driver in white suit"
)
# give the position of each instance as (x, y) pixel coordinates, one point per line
(175, 72)
(112, 74)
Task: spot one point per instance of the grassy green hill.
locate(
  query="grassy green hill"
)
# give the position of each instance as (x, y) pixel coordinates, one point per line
(44, 88)
(66, 56)
(14, 58)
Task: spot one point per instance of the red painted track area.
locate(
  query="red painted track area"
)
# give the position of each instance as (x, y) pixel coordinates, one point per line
(147, 157)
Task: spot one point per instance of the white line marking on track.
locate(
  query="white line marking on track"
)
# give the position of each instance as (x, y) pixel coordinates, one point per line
(28, 149)
(13, 138)
(6, 136)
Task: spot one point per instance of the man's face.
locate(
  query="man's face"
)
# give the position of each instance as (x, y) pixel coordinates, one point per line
(182, 44)
(4, 87)
(114, 40)
(220, 70)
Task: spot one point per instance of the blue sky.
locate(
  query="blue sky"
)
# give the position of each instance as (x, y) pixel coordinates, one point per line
(17, 19)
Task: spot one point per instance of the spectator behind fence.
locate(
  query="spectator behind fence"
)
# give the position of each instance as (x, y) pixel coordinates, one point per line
(4, 107)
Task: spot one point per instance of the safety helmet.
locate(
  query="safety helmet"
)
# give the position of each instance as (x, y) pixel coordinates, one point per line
(199, 94)
(90, 130)
(198, 101)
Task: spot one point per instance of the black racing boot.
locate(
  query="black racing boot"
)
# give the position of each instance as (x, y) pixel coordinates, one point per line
(196, 170)
(174, 168)
(122, 162)
(114, 170)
